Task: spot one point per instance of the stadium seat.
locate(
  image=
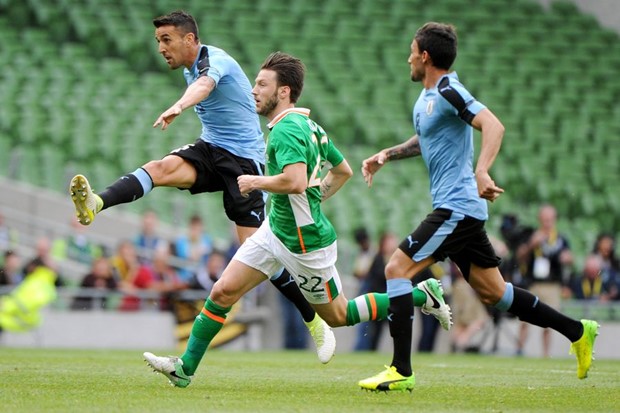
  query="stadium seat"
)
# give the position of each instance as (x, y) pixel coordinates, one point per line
(527, 65)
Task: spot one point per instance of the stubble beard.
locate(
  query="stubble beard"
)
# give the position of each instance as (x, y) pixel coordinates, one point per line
(269, 106)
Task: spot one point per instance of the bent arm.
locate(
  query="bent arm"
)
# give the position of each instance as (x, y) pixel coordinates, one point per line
(335, 179)
(492, 135)
(196, 92)
(292, 180)
(407, 149)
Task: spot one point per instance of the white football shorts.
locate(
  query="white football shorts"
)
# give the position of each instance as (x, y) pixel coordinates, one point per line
(314, 272)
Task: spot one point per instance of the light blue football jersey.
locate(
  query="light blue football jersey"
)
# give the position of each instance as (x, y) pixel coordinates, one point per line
(228, 116)
(442, 118)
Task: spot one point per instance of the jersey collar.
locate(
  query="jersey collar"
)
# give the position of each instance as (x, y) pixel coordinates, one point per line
(202, 46)
(452, 75)
(281, 115)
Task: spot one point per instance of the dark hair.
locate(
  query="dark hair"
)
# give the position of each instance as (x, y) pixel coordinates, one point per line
(439, 41)
(195, 218)
(290, 72)
(179, 19)
(361, 235)
(600, 237)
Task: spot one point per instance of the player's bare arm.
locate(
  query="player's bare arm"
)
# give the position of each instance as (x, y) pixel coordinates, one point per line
(194, 94)
(404, 150)
(292, 180)
(335, 179)
(492, 134)
(407, 149)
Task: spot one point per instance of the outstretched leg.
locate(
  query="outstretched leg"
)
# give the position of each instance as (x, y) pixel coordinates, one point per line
(525, 305)
(171, 171)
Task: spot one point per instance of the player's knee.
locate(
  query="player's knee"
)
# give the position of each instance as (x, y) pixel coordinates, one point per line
(223, 295)
(392, 270)
(157, 170)
(490, 296)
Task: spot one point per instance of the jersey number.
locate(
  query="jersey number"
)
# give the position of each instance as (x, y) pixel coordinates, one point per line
(314, 282)
(315, 179)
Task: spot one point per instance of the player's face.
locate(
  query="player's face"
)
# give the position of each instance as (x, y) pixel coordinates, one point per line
(265, 92)
(415, 63)
(172, 45)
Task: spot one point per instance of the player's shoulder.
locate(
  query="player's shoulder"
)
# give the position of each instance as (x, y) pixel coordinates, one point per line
(450, 88)
(449, 84)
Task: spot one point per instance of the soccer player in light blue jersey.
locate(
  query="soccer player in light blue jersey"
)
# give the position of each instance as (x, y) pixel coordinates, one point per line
(231, 144)
(443, 117)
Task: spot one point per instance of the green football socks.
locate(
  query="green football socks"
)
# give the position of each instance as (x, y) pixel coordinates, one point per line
(206, 326)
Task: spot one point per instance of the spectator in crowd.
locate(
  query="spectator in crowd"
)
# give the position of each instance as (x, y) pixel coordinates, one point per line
(548, 260)
(363, 258)
(76, 246)
(43, 258)
(234, 244)
(210, 272)
(370, 332)
(605, 249)
(100, 277)
(8, 236)
(158, 277)
(514, 235)
(125, 263)
(469, 314)
(194, 248)
(591, 285)
(148, 240)
(361, 265)
(11, 273)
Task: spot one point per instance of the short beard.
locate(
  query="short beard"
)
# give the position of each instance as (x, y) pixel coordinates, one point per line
(269, 105)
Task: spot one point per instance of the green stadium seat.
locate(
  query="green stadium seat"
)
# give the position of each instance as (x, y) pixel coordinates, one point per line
(527, 65)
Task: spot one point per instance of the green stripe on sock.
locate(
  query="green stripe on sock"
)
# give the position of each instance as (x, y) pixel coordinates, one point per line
(419, 297)
(353, 316)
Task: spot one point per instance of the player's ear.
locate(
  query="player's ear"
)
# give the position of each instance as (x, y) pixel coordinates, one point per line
(284, 92)
(189, 39)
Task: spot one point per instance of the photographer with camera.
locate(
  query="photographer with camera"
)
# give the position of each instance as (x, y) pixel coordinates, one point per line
(548, 261)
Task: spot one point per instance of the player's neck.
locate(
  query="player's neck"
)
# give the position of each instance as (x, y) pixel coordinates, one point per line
(432, 76)
(282, 106)
(192, 55)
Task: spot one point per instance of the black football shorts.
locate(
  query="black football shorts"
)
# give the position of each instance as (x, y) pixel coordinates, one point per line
(217, 170)
(448, 234)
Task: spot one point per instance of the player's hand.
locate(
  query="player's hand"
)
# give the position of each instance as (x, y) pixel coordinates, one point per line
(168, 116)
(246, 184)
(486, 187)
(371, 165)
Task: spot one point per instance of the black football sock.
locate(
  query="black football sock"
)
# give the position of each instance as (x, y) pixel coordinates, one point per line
(288, 287)
(126, 189)
(400, 316)
(530, 309)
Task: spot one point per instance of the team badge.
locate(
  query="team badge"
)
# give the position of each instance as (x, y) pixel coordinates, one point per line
(429, 107)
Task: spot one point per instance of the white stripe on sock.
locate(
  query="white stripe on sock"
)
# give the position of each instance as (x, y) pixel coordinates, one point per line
(362, 308)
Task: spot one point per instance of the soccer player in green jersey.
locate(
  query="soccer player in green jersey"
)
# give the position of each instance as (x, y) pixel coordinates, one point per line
(296, 234)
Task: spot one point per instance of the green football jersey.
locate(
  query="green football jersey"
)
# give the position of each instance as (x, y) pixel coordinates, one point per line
(297, 219)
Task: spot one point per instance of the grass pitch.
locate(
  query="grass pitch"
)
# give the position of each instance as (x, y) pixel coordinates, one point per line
(35, 380)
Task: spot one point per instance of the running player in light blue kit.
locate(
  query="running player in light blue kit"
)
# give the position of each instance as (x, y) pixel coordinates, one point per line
(443, 117)
(231, 144)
